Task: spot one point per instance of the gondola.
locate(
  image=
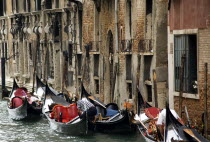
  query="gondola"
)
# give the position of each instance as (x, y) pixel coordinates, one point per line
(174, 130)
(36, 108)
(63, 116)
(17, 107)
(183, 133)
(118, 123)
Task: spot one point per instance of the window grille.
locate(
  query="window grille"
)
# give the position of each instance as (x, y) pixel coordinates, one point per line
(185, 45)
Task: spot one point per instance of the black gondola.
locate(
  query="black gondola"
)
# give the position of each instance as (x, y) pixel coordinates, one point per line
(183, 133)
(60, 124)
(36, 108)
(120, 122)
(17, 107)
(174, 130)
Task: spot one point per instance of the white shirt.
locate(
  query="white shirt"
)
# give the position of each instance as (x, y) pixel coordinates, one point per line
(162, 116)
(84, 104)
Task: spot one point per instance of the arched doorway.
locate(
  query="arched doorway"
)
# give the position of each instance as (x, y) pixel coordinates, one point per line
(109, 61)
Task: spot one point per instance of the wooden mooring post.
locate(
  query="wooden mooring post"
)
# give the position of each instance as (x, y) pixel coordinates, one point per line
(205, 99)
(181, 73)
(2, 78)
(155, 88)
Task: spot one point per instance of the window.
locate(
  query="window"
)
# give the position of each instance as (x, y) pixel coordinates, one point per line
(70, 51)
(129, 18)
(129, 90)
(38, 5)
(2, 7)
(56, 3)
(148, 6)
(30, 51)
(149, 25)
(28, 6)
(57, 27)
(13, 6)
(80, 28)
(96, 73)
(96, 65)
(96, 86)
(79, 64)
(128, 67)
(48, 4)
(149, 93)
(185, 45)
(147, 67)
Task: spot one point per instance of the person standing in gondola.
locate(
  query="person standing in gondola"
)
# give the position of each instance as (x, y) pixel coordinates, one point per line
(85, 105)
(162, 119)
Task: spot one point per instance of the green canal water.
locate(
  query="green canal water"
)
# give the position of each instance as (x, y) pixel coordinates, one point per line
(37, 130)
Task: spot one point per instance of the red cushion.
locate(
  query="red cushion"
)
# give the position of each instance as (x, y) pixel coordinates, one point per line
(67, 113)
(152, 112)
(20, 92)
(16, 102)
(72, 111)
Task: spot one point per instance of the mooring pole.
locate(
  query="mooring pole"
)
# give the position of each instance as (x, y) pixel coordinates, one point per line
(181, 78)
(155, 88)
(205, 98)
(2, 77)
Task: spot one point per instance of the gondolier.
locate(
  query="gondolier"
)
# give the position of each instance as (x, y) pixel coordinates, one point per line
(84, 105)
(162, 119)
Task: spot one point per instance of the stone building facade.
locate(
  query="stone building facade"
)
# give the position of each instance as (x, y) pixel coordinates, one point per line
(188, 39)
(112, 46)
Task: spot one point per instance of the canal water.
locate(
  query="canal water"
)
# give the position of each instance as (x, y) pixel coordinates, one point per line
(37, 130)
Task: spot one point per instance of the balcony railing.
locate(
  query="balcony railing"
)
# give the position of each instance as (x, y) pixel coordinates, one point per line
(145, 46)
(126, 45)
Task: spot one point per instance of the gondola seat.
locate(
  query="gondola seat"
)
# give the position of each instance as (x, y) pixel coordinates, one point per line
(64, 114)
(17, 102)
(72, 111)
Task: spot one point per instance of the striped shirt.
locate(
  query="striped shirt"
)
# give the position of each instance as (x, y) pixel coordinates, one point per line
(84, 104)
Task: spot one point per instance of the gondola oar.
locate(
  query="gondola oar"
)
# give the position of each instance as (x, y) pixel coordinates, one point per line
(189, 132)
(92, 98)
(138, 119)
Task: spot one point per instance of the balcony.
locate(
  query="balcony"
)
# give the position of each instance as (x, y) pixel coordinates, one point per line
(126, 45)
(94, 46)
(145, 47)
